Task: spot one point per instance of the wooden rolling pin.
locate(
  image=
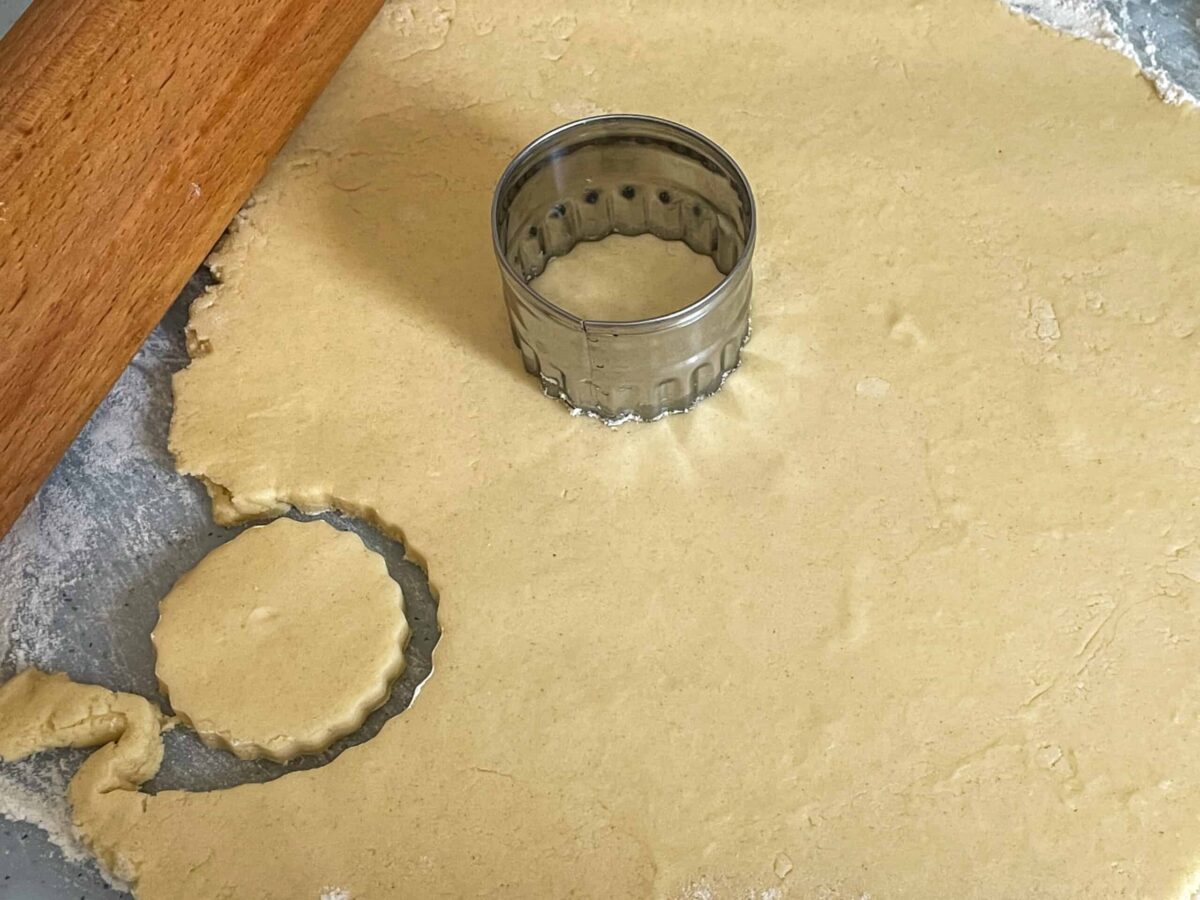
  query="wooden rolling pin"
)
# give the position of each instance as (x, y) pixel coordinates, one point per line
(130, 134)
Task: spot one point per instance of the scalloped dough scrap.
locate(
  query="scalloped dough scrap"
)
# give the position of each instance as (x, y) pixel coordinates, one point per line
(39, 711)
(282, 640)
(938, 641)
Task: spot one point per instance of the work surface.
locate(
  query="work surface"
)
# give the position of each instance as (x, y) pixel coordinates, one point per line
(85, 566)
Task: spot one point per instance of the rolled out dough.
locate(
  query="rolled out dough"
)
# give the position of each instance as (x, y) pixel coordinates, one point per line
(281, 641)
(910, 609)
(39, 711)
(622, 278)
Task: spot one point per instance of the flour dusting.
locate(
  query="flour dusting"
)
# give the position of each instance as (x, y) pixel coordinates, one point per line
(1160, 37)
(34, 791)
(95, 536)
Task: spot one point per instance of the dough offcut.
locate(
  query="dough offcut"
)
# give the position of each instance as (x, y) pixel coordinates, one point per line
(281, 641)
(909, 608)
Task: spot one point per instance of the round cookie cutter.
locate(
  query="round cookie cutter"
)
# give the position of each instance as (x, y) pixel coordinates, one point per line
(630, 175)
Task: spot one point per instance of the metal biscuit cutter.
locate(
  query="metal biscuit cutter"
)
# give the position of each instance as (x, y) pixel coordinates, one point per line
(630, 175)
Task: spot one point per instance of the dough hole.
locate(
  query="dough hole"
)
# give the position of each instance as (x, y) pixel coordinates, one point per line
(281, 641)
(191, 765)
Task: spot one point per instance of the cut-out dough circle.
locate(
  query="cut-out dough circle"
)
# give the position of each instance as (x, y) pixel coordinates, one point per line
(281, 641)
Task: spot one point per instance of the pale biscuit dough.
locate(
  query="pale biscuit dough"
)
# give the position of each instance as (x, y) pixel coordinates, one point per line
(281, 641)
(622, 278)
(910, 608)
(39, 711)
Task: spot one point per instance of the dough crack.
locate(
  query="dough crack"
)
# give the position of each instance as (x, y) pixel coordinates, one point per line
(497, 772)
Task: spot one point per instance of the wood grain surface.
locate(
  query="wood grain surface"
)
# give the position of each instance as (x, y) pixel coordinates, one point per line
(130, 133)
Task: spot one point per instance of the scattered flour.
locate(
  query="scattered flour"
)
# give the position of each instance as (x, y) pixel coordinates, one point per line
(1044, 322)
(873, 386)
(1161, 37)
(68, 573)
(34, 791)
